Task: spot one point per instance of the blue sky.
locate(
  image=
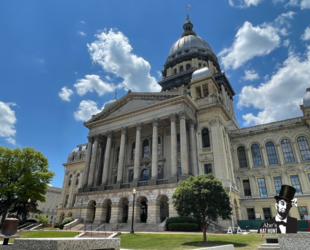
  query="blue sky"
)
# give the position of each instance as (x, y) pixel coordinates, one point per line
(61, 61)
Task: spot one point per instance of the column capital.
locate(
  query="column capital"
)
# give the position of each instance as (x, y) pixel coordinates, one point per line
(139, 126)
(97, 137)
(182, 115)
(90, 139)
(110, 134)
(213, 122)
(155, 122)
(278, 145)
(173, 117)
(191, 123)
(124, 130)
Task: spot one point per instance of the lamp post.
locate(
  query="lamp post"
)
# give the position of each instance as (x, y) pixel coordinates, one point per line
(133, 210)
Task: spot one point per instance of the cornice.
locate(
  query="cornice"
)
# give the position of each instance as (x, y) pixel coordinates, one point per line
(216, 105)
(274, 126)
(175, 100)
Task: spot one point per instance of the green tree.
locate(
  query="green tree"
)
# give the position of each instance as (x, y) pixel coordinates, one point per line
(42, 219)
(202, 197)
(24, 174)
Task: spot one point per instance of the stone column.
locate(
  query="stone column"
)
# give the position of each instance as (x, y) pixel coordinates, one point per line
(201, 89)
(249, 156)
(296, 151)
(87, 160)
(285, 179)
(280, 155)
(303, 182)
(254, 186)
(116, 212)
(63, 190)
(264, 156)
(193, 149)
(307, 178)
(172, 211)
(106, 163)
(137, 159)
(153, 211)
(100, 216)
(153, 181)
(240, 186)
(174, 159)
(71, 189)
(100, 167)
(271, 191)
(91, 174)
(183, 142)
(121, 157)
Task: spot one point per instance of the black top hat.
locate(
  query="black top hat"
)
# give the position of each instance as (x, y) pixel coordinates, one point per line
(286, 193)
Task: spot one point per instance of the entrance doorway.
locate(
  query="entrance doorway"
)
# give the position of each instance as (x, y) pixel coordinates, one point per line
(93, 211)
(143, 212)
(164, 207)
(124, 203)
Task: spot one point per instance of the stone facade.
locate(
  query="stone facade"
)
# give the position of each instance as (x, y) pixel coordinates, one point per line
(150, 141)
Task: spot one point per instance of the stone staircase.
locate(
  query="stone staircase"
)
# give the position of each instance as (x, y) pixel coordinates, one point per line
(140, 227)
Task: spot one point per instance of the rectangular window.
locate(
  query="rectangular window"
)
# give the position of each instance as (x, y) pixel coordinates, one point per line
(208, 168)
(296, 184)
(277, 183)
(115, 179)
(178, 142)
(247, 188)
(267, 213)
(302, 212)
(251, 213)
(179, 171)
(73, 201)
(262, 187)
(66, 200)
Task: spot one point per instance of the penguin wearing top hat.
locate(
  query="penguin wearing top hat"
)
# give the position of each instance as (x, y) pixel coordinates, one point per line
(282, 223)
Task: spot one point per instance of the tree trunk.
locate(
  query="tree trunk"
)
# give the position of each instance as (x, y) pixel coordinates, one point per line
(203, 225)
(6, 206)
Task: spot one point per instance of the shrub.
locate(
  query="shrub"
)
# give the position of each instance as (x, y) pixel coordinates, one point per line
(184, 227)
(42, 219)
(180, 220)
(67, 220)
(59, 225)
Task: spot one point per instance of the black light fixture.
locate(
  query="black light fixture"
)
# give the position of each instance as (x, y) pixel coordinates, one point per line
(133, 210)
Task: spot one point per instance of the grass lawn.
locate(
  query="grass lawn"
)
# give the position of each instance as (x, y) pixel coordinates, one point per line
(46, 234)
(189, 241)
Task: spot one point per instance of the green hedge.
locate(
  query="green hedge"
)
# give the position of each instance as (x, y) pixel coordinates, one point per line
(181, 220)
(183, 227)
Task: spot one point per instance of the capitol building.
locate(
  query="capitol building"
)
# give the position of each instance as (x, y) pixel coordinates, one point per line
(152, 140)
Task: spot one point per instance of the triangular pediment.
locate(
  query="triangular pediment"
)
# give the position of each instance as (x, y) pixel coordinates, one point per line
(131, 102)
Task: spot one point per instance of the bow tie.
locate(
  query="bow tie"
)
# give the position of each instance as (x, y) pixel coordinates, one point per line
(282, 223)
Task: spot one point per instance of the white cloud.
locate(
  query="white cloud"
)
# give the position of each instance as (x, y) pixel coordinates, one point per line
(75, 72)
(286, 43)
(305, 4)
(250, 75)
(250, 42)
(82, 22)
(50, 185)
(244, 3)
(255, 41)
(306, 35)
(65, 94)
(91, 83)
(7, 121)
(113, 52)
(82, 33)
(86, 110)
(279, 98)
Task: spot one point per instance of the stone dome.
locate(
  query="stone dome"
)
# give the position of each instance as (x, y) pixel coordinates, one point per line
(201, 72)
(78, 149)
(189, 42)
(109, 103)
(306, 99)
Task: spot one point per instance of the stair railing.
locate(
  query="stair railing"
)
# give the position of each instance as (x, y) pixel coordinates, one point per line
(98, 228)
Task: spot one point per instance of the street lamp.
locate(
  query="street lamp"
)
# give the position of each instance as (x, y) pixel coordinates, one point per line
(133, 210)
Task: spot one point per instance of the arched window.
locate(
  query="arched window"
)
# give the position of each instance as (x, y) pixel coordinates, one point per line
(133, 150)
(77, 179)
(73, 158)
(271, 153)
(304, 148)
(70, 180)
(287, 151)
(145, 175)
(199, 65)
(188, 66)
(181, 69)
(242, 157)
(46, 216)
(80, 156)
(117, 158)
(159, 176)
(146, 148)
(131, 176)
(205, 138)
(159, 145)
(175, 71)
(204, 65)
(257, 159)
